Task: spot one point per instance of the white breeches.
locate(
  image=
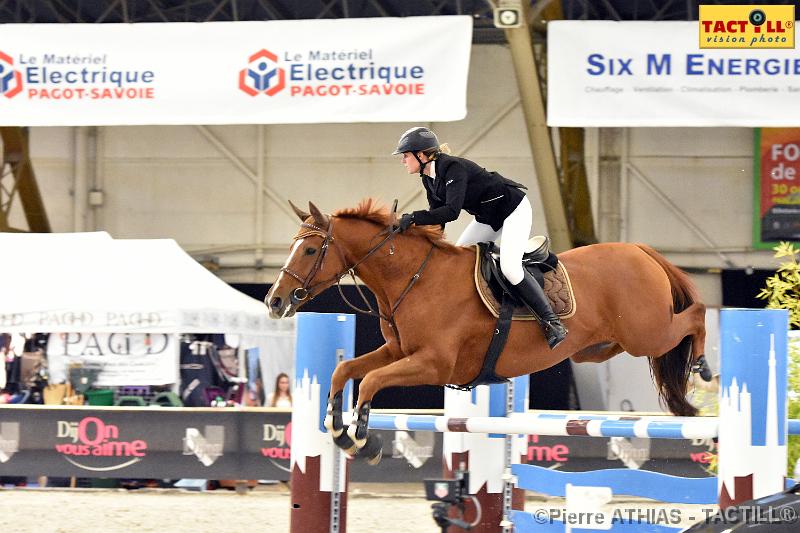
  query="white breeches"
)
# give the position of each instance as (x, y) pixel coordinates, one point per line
(516, 231)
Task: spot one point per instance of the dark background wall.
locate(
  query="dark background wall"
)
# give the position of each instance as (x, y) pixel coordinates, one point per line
(550, 389)
(740, 286)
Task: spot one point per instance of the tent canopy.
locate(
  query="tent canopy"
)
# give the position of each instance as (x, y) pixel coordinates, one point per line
(89, 282)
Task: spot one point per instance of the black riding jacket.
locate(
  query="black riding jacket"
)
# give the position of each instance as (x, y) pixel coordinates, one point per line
(462, 184)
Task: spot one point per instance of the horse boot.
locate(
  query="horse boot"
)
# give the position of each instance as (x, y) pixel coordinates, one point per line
(335, 425)
(333, 415)
(368, 445)
(358, 430)
(531, 294)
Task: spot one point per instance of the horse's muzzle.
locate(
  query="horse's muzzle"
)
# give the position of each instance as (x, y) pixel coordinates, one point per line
(277, 307)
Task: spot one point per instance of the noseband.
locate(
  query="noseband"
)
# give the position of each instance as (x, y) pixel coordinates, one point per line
(300, 294)
(304, 292)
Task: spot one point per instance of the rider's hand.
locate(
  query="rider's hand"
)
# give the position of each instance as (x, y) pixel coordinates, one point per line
(406, 221)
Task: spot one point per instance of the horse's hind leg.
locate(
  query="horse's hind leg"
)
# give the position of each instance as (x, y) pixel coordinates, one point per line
(693, 320)
(415, 369)
(700, 365)
(689, 322)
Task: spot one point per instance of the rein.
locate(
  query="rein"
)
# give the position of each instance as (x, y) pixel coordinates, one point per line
(302, 293)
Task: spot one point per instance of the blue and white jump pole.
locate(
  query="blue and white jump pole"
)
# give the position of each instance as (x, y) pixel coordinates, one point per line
(319, 469)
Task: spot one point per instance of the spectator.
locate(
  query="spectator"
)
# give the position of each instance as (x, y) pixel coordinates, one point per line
(282, 397)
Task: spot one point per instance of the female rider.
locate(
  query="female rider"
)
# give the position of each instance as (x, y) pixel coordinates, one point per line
(498, 204)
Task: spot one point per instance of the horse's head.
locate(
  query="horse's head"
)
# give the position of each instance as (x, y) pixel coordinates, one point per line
(312, 265)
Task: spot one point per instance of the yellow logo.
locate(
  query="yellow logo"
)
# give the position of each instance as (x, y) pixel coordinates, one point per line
(746, 26)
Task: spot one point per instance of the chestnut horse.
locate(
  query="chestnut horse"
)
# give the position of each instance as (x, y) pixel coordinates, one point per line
(437, 330)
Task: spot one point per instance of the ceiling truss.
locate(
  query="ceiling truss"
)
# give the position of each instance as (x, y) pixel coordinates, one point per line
(131, 11)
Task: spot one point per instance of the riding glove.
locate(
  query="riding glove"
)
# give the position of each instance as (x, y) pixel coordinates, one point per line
(406, 221)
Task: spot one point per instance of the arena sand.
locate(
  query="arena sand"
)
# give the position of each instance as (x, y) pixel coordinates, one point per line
(372, 508)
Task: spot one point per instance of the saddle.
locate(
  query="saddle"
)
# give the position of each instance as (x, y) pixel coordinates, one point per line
(543, 264)
(496, 294)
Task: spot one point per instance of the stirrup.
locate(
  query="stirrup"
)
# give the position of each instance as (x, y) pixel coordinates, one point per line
(554, 335)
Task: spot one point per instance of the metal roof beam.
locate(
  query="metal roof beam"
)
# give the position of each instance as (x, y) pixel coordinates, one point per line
(216, 10)
(157, 10)
(326, 8)
(381, 8)
(273, 11)
(612, 11)
(76, 13)
(16, 154)
(110, 9)
(56, 13)
(660, 12)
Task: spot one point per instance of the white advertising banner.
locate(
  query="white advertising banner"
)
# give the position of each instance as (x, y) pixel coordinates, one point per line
(121, 358)
(619, 74)
(299, 71)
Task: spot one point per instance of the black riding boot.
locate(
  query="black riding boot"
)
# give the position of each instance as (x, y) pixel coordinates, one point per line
(534, 298)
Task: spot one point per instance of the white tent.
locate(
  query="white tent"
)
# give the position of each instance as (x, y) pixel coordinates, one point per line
(92, 284)
(89, 282)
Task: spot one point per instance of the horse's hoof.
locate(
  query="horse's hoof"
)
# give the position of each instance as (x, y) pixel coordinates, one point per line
(353, 432)
(701, 367)
(375, 460)
(373, 449)
(346, 444)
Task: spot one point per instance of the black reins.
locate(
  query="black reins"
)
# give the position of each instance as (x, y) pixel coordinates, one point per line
(304, 292)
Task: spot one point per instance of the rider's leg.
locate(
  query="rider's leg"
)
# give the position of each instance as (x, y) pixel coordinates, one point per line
(516, 230)
(476, 232)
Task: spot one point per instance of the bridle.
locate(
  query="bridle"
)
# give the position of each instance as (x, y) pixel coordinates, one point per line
(304, 292)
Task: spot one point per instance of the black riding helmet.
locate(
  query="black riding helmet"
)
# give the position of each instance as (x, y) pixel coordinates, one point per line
(417, 139)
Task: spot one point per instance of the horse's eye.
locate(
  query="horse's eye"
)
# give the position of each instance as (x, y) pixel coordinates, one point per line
(311, 250)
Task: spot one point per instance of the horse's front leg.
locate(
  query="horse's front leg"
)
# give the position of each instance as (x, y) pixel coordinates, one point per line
(353, 369)
(419, 368)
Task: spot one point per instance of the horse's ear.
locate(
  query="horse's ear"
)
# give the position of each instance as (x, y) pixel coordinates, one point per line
(320, 219)
(302, 215)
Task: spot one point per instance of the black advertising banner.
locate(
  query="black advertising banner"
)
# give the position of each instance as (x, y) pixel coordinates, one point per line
(255, 443)
(144, 443)
(408, 457)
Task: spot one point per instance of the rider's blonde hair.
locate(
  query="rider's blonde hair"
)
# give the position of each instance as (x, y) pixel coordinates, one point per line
(431, 153)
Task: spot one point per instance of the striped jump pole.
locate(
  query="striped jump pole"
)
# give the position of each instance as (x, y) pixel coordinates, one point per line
(555, 424)
(319, 470)
(488, 455)
(753, 422)
(567, 424)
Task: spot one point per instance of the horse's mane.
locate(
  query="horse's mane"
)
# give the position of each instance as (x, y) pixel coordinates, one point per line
(372, 210)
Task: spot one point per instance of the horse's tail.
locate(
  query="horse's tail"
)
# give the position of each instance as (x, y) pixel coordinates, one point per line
(671, 369)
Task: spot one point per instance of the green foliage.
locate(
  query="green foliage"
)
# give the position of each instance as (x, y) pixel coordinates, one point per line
(782, 291)
(794, 400)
